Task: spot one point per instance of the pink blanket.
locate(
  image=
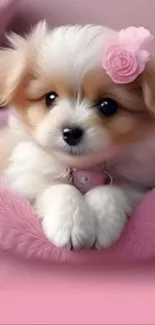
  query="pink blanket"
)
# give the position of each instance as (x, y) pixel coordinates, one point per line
(21, 233)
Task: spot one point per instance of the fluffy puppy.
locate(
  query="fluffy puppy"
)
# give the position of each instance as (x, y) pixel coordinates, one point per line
(56, 87)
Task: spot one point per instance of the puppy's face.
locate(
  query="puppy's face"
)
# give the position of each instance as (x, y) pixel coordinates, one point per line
(69, 105)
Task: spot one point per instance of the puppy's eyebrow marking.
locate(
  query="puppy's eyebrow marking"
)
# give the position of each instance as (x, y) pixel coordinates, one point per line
(35, 89)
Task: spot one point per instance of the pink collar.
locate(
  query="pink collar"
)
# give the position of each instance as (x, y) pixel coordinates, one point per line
(85, 180)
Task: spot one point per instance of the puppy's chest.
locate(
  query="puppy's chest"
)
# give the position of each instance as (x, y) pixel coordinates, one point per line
(123, 172)
(135, 166)
(29, 167)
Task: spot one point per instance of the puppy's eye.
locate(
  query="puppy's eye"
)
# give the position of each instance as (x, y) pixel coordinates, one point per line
(50, 98)
(107, 106)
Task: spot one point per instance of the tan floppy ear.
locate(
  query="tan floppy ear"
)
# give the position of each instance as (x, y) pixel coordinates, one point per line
(16, 60)
(148, 86)
(12, 63)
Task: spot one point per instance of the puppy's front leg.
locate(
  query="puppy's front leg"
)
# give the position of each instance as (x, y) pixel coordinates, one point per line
(111, 206)
(67, 220)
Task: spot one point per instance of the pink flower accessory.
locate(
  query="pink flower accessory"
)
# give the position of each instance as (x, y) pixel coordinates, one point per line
(125, 58)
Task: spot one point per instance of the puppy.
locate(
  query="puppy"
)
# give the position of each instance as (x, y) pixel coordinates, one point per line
(68, 114)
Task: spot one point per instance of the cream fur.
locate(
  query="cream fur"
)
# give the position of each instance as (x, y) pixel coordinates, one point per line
(69, 219)
(38, 164)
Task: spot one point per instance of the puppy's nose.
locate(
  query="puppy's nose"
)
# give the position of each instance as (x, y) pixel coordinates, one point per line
(73, 135)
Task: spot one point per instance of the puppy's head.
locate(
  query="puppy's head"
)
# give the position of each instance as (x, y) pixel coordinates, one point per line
(54, 82)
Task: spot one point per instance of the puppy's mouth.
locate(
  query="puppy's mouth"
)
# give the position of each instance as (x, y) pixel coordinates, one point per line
(85, 159)
(74, 151)
(77, 142)
(83, 156)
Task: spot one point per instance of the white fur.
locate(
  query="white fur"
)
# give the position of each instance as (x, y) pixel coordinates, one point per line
(69, 51)
(111, 206)
(70, 219)
(67, 220)
(69, 48)
(65, 112)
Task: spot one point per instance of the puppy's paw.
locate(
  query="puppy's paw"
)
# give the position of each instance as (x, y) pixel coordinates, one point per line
(110, 207)
(67, 220)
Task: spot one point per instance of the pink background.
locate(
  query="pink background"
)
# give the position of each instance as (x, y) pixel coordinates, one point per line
(114, 13)
(37, 293)
(62, 294)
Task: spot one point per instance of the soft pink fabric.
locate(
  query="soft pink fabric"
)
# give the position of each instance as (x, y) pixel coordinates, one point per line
(125, 59)
(21, 233)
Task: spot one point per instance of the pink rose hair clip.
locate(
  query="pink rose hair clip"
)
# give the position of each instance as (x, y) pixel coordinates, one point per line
(125, 59)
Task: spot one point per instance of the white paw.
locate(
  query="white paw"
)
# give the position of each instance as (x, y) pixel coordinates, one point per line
(67, 220)
(110, 206)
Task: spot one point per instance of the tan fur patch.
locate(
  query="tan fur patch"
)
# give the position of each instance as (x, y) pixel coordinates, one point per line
(97, 84)
(132, 120)
(29, 98)
(126, 126)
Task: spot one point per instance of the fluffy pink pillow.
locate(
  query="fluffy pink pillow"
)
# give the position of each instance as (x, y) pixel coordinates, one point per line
(21, 233)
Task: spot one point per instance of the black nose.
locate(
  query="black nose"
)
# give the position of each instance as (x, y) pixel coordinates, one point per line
(73, 135)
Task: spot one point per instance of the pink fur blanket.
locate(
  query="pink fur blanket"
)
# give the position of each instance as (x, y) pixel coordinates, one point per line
(21, 232)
